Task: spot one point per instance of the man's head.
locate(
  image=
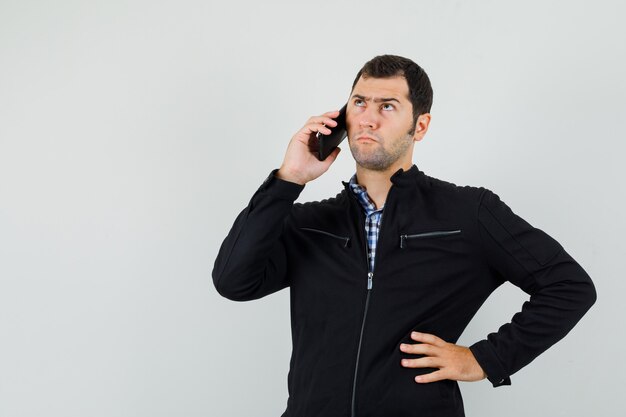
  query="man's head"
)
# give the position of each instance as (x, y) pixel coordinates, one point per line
(389, 104)
(388, 66)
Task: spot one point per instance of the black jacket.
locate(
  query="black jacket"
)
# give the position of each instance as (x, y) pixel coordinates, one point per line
(442, 250)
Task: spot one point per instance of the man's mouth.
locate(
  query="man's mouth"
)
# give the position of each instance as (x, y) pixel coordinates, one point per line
(366, 138)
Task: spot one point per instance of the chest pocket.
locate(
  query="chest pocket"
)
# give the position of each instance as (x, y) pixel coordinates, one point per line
(429, 259)
(406, 239)
(343, 240)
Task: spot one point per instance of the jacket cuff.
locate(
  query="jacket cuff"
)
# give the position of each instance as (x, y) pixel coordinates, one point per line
(280, 188)
(488, 360)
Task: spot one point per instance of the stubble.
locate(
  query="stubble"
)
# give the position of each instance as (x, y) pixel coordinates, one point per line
(375, 156)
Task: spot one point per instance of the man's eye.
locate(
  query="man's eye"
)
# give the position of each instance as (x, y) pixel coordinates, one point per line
(359, 102)
(387, 106)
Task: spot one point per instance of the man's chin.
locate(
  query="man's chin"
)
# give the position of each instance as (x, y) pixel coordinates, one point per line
(372, 164)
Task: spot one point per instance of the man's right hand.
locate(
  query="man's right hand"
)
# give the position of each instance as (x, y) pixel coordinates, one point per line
(300, 164)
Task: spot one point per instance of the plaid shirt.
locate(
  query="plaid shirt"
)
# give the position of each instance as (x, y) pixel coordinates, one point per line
(372, 219)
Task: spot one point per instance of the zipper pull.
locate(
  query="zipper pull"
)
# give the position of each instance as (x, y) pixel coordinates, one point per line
(402, 240)
(370, 279)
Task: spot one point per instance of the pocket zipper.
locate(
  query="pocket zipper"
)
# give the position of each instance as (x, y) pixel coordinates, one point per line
(403, 238)
(344, 238)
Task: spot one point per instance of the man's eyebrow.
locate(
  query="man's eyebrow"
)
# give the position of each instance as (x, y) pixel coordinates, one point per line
(376, 100)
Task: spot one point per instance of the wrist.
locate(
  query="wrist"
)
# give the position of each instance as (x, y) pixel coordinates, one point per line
(285, 175)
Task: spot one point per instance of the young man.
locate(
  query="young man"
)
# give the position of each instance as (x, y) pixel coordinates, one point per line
(385, 276)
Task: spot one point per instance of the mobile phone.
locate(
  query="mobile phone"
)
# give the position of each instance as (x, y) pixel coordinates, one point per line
(327, 143)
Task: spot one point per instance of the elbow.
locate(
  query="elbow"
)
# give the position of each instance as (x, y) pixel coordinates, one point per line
(224, 290)
(574, 287)
(584, 296)
(591, 295)
(587, 293)
(228, 288)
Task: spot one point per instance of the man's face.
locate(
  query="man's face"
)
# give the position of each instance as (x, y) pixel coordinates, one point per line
(379, 121)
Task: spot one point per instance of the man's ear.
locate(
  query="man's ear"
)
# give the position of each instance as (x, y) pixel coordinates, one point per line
(421, 126)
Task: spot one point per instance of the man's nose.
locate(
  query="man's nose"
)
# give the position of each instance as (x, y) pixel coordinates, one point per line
(368, 121)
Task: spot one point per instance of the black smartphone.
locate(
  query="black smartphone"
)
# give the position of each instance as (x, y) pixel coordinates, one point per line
(327, 143)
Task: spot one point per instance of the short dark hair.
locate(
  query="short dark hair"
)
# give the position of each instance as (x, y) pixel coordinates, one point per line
(387, 66)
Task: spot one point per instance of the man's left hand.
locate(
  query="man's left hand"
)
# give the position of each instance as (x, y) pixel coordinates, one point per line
(454, 362)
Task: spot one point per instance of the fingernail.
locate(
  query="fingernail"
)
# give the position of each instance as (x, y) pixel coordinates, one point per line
(418, 379)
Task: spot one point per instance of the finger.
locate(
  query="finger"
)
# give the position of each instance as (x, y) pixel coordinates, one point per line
(328, 121)
(419, 349)
(332, 113)
(427, 362)
(316, 127)
(427, 338)
(431, 377)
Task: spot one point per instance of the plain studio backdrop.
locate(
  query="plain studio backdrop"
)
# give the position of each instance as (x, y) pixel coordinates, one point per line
(133, 132)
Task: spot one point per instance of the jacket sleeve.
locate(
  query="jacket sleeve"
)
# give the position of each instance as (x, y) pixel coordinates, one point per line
(251, 262)
(560, 290)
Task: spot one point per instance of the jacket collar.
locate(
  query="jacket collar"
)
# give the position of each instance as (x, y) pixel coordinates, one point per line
(400, 179)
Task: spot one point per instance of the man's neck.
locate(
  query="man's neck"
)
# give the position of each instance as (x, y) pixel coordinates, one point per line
(378, 183)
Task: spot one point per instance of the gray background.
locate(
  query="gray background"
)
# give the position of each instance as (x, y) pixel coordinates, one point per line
(132, 133)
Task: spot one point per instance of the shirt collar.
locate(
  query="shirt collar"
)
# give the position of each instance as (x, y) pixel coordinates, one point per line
(362, 196)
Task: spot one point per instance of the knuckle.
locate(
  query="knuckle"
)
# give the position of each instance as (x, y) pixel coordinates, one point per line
(426, 349)
(406, 347)
(425, 378)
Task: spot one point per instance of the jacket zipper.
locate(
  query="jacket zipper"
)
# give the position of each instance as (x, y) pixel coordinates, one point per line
(345, 239)
(370, 277)
(403, 238)
(370, 283)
